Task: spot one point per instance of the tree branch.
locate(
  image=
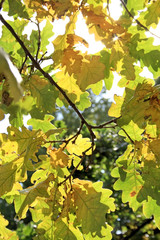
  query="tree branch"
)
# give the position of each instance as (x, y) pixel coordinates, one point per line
(45, 74)
(73, 171)
(138, 22)
(129, 236)
(104, 124)
(36, 64)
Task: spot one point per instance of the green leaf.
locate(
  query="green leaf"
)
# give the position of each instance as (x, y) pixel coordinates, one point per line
(43, 125)
(109, 81)
(130, 182)
(16, 117)
(7, 40)
(29, 195)
(107, 232)
(153, 13)
(65, 230)
(34, 38)
(16, 7)
(91, 202)
(7, 177)
(84, 102)
(108, 75)
(133, 4)
(150, 208)
(46, 33)
(44, 93)
(97, 87)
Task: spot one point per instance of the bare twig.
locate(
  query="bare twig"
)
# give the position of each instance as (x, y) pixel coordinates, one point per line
(73, 171)
(39, 41)
(134, 231)
(77, 134)
(104, 124)
(127, 135)
(55, 141)
(108, 7)
(138, 22)
(23, 64)
(46, 58)
(1, 4)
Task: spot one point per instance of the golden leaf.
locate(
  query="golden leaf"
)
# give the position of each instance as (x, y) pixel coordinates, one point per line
(58, 158)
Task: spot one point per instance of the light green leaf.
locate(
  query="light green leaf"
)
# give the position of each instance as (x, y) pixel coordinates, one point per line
(135, 5)
(46, 33)
(29, 195)
(84, 102)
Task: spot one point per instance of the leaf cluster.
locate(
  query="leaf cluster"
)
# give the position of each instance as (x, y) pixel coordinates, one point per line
(63, 206)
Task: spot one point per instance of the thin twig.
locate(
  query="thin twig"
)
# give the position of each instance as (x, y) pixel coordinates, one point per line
(134, 231)
(1, 4)
(55, 141)
(127, 135)
(39, 41)
(46, 58)
(138, 22)
(23, 64)
(104, 124)
(108, 7)
(73, 171)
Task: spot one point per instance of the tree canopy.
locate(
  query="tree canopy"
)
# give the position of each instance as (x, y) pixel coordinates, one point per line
(62, 204)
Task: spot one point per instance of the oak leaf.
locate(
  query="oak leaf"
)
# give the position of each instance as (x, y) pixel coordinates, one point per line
(92, 71)
(91, 202)
(72, 60)
(58, 158)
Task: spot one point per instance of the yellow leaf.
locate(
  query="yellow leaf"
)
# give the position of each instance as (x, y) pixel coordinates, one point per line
(60, 43)
(65, 229)
(28, 144)
(72, 60)
(9, 175)
(8, 151)
(5, 233)
(92, 71)
(80, 146)
(58, 158)
(115, 109)
(73, 39)
(28, 196)
(68, 83)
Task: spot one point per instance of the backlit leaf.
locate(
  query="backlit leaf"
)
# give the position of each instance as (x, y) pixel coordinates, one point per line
(91, 209)
(92, 71)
